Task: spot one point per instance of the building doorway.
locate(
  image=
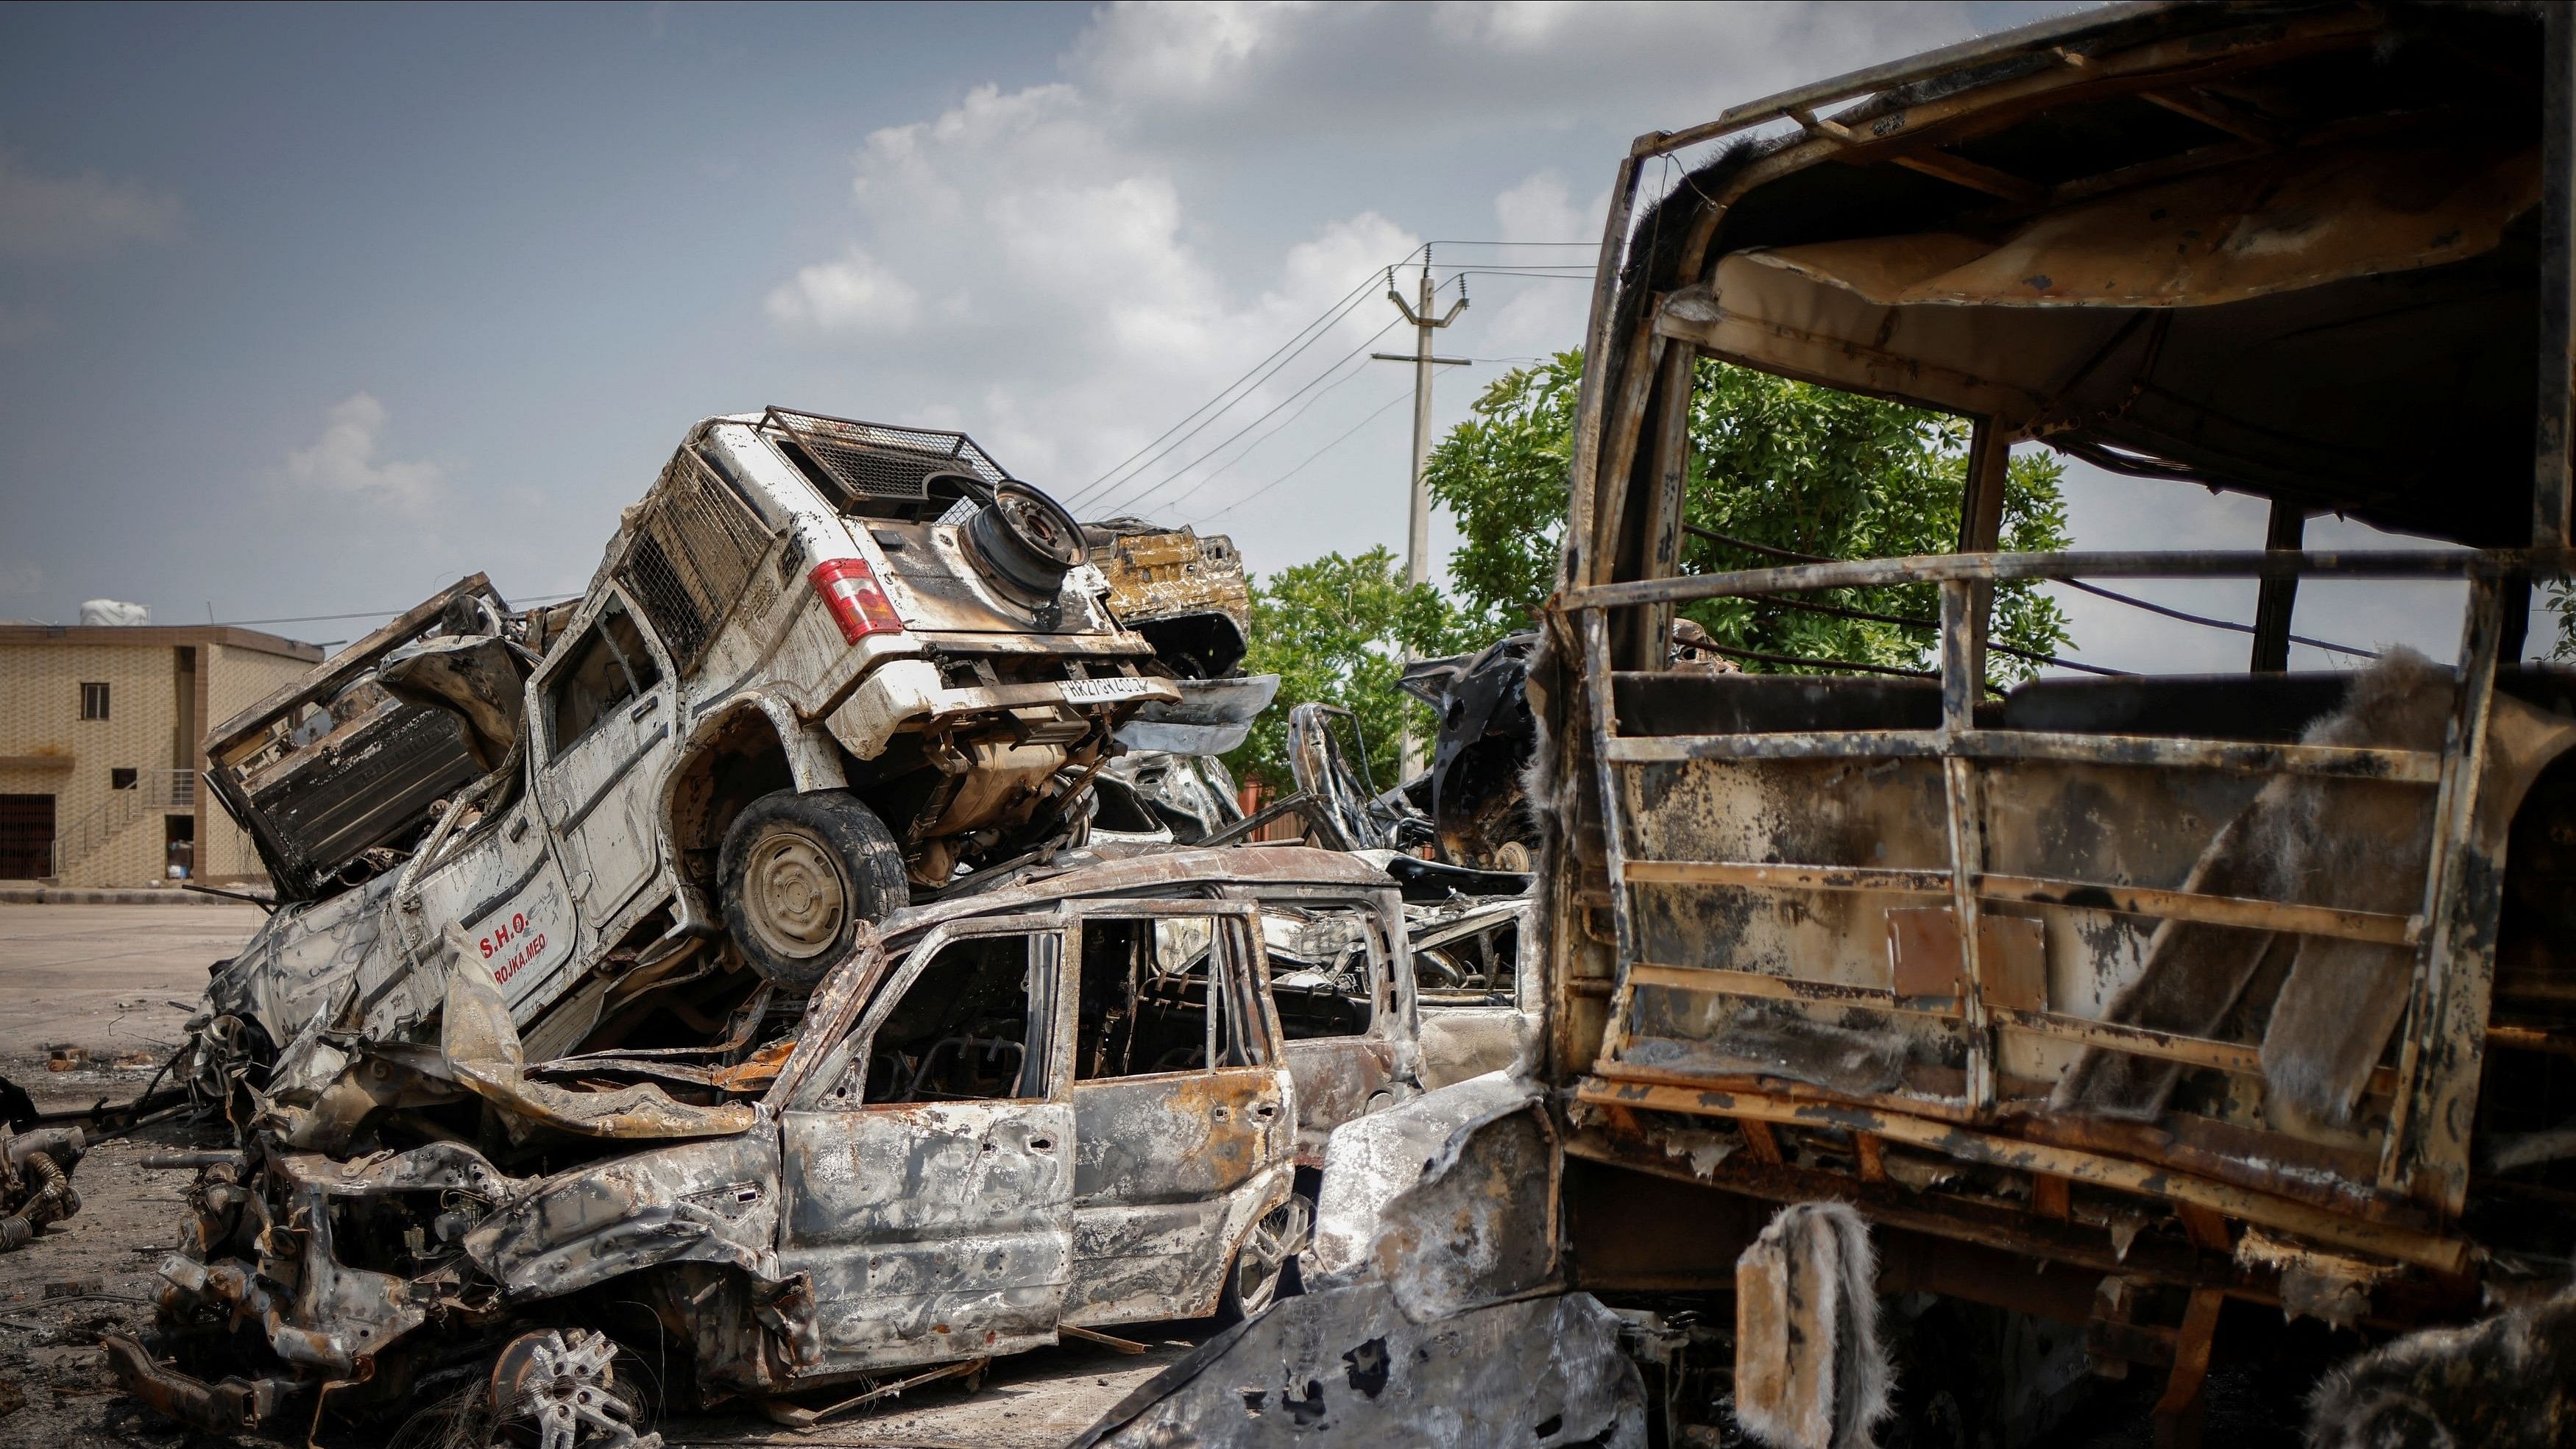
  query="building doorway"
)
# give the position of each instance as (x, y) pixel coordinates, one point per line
(26, 837)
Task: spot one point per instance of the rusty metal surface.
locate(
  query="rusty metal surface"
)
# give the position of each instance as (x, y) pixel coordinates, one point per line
(1164, 574)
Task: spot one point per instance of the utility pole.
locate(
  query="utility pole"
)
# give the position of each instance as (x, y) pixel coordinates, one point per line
(1417, 544)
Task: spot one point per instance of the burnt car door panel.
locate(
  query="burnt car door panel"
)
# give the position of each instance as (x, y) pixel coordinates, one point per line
(1341, 1012)
(1479, 1009)
(606, 702)
(1178, 1109)
(929, 1181)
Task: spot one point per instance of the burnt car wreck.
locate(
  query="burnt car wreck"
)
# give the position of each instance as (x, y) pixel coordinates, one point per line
(1091, 1095)
(1872, 1045)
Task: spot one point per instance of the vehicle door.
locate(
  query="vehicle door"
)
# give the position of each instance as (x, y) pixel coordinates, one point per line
(604, 704)
(1478, 1005)
(1183, 1129)
(929, 1160)
(504, 887)
(1345, 1020)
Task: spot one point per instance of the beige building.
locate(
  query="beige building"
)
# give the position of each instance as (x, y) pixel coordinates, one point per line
(101, 748)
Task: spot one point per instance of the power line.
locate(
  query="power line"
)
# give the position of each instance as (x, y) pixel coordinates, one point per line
(1221, 508)
(1228, 396)
(1323, 322)
(1136, 497)
(1284, 423)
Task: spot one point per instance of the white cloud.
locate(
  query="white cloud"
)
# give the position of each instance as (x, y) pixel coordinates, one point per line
(1072, 266)
(342, 462)
(852, 294)
(44, 217)
(1043, 263)
(1286, 75)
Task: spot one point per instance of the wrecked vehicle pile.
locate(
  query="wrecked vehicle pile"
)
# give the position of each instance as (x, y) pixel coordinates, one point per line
(825, 668)
(746, 960)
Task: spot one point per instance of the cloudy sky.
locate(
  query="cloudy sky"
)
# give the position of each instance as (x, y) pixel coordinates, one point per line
(307, 311)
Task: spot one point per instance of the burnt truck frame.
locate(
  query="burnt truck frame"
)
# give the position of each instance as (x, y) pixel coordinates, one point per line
(1976, 900)
(824, 664)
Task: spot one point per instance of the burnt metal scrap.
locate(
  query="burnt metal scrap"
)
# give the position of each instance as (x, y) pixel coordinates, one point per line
(1088, 1093)
(1428, 1317)
(1480, 751)
(36, 1181)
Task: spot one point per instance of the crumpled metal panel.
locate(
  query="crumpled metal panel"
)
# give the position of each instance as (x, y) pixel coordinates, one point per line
(911, 1219)
(482, 1048)
(1343, 1364)
(1370, 1162)
(698, 1202)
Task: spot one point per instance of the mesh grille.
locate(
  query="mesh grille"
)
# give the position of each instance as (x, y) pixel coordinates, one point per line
(694, 549)
(875, 461)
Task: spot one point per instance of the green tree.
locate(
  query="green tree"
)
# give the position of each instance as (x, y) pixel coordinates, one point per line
(1773, 462)
(1336, 631)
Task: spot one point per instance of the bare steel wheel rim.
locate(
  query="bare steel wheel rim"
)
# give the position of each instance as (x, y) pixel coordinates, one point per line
(1263, 1259)
(793, 894)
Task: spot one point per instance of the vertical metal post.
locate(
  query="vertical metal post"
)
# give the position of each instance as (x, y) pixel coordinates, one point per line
(1417, 533)
(1962, 682)
(2444, 1041)
(1592, 399)
(2549, 479)
(1670, 504)
(1981, 525)
(1603, 700)
(2278, 598)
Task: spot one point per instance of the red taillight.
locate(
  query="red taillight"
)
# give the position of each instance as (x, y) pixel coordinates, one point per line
(857, 601)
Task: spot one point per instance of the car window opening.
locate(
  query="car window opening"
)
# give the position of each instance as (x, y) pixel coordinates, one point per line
(961, 1031)
(1324, 962)
(1480, 966)
(1144, 999)
(610, 667)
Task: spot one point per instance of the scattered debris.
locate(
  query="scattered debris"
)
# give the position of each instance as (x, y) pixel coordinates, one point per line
(36, 1185)
(1810, 1372)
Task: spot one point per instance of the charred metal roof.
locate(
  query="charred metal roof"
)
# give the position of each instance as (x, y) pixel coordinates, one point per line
(1279, 865)
(2290, 249)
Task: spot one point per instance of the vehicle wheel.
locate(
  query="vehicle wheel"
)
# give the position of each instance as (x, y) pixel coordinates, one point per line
(1267, 1257)
(798, 872)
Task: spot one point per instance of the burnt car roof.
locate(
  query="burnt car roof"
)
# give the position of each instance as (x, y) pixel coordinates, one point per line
(2287, 249)
(1277, 865)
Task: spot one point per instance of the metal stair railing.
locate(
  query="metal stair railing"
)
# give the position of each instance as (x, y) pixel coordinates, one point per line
(153, 792)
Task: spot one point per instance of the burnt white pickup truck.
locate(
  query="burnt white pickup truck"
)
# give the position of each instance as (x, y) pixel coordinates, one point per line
(825, 665)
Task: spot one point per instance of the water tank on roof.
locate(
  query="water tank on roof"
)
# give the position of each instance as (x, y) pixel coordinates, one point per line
(113, 612)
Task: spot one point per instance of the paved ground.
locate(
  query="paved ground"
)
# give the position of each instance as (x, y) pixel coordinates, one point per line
(117, 980)
(120, 980)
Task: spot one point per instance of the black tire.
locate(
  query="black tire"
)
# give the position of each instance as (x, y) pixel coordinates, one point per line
(798, 873)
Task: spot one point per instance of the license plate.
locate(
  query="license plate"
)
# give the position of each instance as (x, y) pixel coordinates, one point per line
(1103, 689)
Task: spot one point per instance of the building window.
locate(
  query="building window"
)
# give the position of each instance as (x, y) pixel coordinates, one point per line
(120, 779)
(93, 701)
